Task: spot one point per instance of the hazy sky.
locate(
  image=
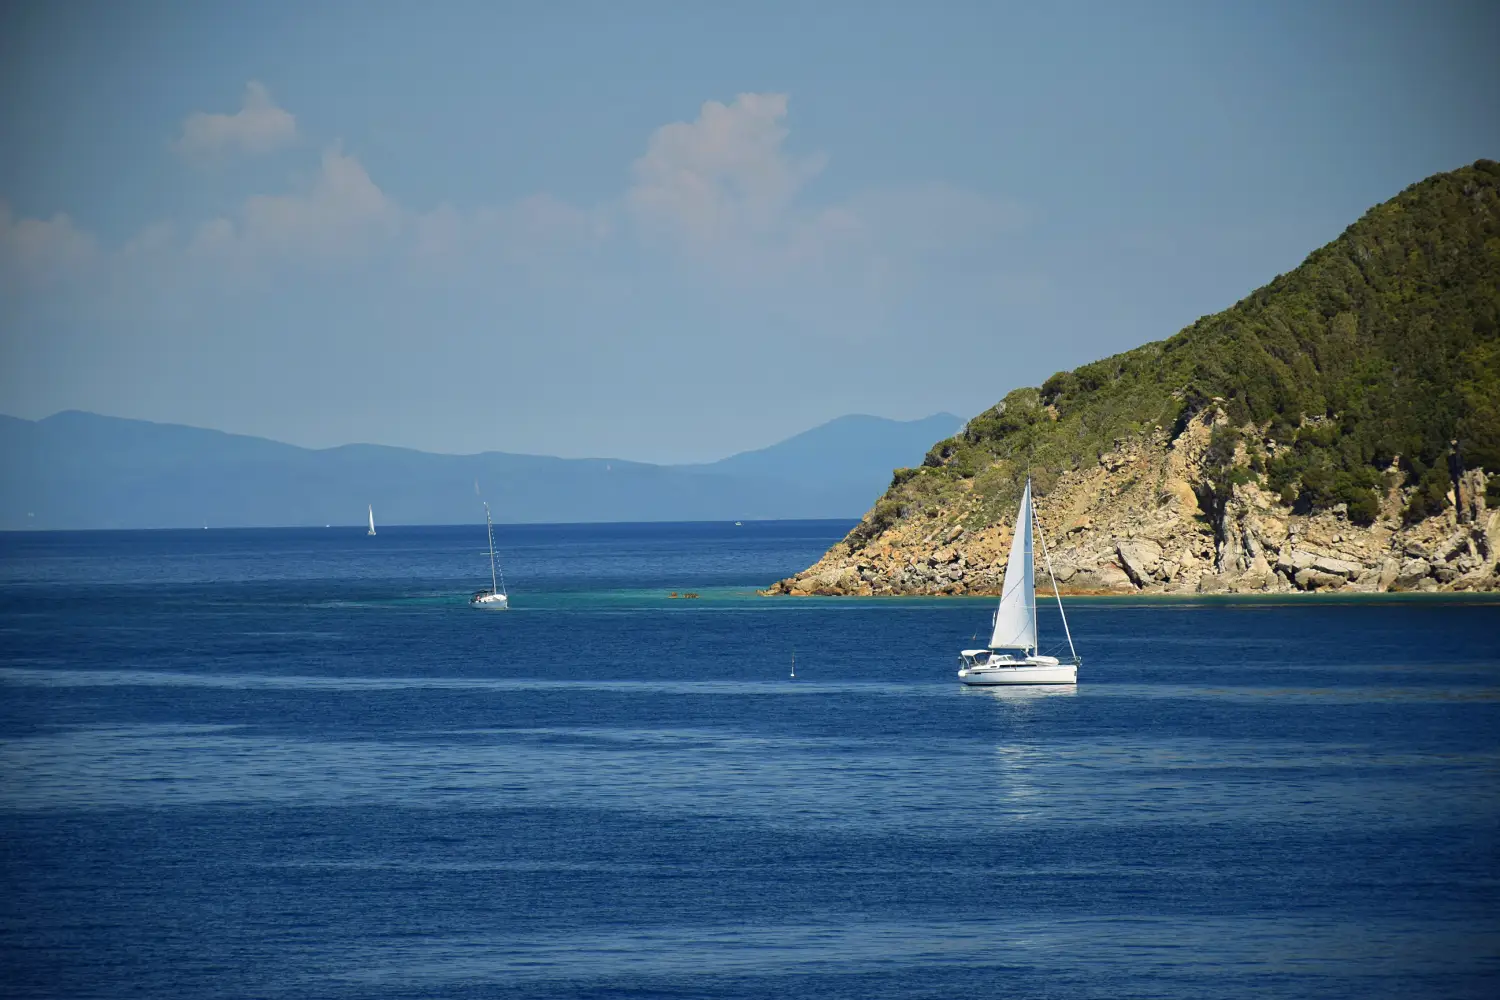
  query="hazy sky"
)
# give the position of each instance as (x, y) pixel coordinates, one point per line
(672, 231)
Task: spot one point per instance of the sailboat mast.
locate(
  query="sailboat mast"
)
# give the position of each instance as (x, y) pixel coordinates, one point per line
(1048, 558)
(489, 530)
(1031, 529)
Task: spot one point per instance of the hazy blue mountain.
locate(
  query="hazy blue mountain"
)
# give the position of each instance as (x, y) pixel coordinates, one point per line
(853, 449)
(82, 470)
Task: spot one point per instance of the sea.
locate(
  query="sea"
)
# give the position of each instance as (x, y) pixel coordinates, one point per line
(295, 763)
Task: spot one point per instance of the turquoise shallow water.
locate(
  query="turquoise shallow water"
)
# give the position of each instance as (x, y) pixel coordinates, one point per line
(294, 763)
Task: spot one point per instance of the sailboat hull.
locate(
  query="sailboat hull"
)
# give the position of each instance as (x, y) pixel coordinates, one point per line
(1021, 673)
(490, 602)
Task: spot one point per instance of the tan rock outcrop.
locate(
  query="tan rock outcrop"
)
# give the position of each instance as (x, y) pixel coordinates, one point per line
(1134, 522)
(1141, 558)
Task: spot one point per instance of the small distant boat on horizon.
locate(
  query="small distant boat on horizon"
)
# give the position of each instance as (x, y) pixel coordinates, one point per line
(495, 598)
(1012, 656)
(372, 520)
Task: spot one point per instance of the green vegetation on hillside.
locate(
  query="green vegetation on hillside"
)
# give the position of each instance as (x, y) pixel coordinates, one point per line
(1365, 361)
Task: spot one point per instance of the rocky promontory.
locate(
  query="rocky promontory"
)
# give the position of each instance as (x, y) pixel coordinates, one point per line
(1134, 523)
(1336, 430)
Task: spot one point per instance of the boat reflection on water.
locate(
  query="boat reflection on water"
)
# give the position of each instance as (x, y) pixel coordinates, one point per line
(1020, 693)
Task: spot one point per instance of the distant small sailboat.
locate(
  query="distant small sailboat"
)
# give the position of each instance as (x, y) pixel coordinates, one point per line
(493, 599)
(1012, 656)
(794, 664)
(372, 520)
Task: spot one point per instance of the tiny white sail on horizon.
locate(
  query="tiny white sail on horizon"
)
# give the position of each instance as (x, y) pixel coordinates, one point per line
(372, 520)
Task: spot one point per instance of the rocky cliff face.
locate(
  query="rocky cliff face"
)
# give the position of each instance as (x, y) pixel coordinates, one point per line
(1151, 517)
(1302, 439)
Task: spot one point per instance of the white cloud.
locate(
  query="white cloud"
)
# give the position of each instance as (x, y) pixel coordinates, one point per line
(342, 215)
(722, 176)
(38, 253)
(153, 240)
(258, 127)
(725, 190)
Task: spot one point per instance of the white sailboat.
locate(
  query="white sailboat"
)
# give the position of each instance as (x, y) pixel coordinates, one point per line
(493, 599)
(1012, 656)
(372, 520)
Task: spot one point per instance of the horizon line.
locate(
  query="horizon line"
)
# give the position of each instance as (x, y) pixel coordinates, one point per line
(480, 454)
(361, 525)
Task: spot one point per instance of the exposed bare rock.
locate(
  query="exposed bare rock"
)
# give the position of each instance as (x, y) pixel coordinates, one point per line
(1292, 560)
(1260, 576)
(1337, 567)
(1214, 583)
(1141, 559)
(1312, 579)
(1112, 577)
(1471, 486)
(1413, 572)
(1451, 547)
(1133, 522)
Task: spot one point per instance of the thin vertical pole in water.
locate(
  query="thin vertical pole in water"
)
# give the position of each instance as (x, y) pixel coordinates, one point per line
(1043, 536)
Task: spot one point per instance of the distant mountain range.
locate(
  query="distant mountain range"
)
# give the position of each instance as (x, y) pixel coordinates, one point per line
(82, 470)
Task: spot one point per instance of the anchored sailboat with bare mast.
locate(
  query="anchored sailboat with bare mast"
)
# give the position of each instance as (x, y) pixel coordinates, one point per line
(493, 599)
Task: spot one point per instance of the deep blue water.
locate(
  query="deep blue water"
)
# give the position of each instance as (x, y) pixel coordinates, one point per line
(293, 763)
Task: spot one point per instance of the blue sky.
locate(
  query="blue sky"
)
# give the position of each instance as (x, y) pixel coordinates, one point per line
(667, 231)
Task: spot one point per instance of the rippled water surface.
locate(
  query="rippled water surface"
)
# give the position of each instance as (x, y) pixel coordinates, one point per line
(295, 763)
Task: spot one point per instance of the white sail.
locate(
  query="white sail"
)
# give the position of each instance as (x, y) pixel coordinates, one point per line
(1015, 620)
(372, 519)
